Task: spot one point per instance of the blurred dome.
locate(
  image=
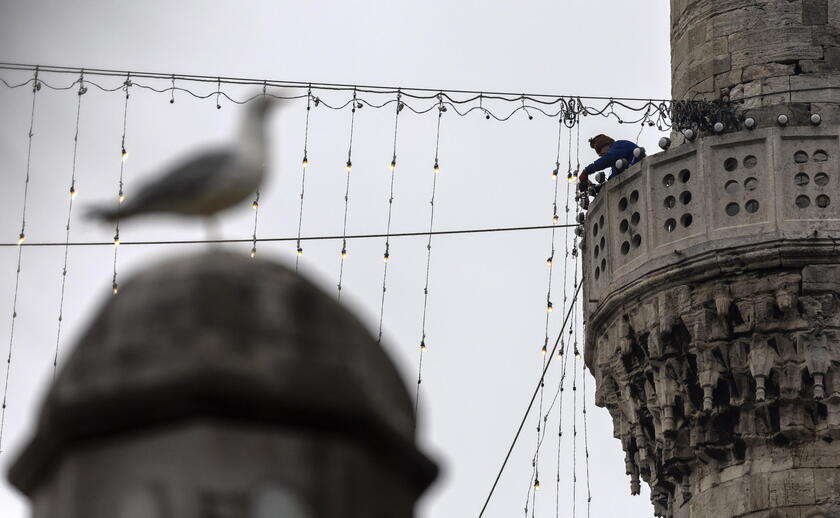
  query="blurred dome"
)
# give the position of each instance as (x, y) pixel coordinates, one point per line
(222, 335)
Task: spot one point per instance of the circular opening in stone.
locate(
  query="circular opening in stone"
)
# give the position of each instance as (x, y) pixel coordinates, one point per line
(751, 184)
(596, 251)
(594, 230)
(603, 243)
(603, 265)
(821, 179)
(622, 204)
(803, 201)
(751, 206)
(730, 164)
(801, 179)
(685, 197)
(732, 187)
(820, 156)
(625, 247)
(670, 201)
(668, 180)
(637, 241)
(597, 272)
(732, 209)
(750, 161)
(670, 224)
(635, 218)
(622, 227)
(686, 220)
(685, 175)
(800, 157)
(634, 196)
(823, 201)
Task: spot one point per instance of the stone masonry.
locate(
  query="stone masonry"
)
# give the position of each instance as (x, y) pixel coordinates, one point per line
(712, 276)
(767, 54)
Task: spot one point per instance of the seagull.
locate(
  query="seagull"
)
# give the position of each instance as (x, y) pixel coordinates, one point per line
(208, 182)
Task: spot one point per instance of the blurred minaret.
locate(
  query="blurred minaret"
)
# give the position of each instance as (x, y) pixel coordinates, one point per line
(217, 386)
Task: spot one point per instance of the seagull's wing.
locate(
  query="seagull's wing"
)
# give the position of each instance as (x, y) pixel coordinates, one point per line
(188, 181)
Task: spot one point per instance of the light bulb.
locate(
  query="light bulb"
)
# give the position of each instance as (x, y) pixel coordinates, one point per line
(73, 193)
(549, 261)
(555, 219)
(122, 197)
(124, 155)
(536, 484)
(255, 205)
(300, 251)
(253, 253)
(572, 177)
(555, 173)
(392, 165)
(115, 288)
(305, 161)
(349, 166)
(21, 238)
(437, 167)
(560, 353)
(386, 257)
(543, 350)
(577, 354)
(422, 345)
(343, 253)
(549, 307)
(117, 240)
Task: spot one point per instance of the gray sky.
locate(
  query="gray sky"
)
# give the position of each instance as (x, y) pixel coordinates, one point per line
(487, 292)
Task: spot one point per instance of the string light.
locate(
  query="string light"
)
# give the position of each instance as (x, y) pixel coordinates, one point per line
(428, 259)
(348, 166)
(304, 165)
(586, 443)
(387, 254)
(73, 193)
(36, 86)
(663, 113)
(121, 193)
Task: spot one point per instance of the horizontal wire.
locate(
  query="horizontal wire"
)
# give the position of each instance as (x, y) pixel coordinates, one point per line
(292, 238)
(434, 92)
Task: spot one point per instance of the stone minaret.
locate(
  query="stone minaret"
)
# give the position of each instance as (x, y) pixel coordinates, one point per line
(712, 275)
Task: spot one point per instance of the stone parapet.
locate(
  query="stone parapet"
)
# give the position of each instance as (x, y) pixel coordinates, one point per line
(712, 303)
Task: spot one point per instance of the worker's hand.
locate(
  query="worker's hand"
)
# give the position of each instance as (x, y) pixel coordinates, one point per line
(583, 180)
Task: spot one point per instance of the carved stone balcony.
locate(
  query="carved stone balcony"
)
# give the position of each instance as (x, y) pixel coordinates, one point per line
(712, 302)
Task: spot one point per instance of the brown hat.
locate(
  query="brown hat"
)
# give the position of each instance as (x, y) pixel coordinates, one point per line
(599, 141)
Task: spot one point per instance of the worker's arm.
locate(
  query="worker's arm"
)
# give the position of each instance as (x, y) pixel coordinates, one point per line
(608, 160)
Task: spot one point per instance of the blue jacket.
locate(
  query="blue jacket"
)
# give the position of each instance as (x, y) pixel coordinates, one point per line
(618, 149)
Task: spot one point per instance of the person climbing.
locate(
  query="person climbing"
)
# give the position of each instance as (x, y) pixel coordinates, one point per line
(609, 151)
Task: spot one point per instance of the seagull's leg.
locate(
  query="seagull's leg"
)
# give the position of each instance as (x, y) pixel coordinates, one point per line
(211, 226)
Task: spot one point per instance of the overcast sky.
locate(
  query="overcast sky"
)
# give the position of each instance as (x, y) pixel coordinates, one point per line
(487, 291)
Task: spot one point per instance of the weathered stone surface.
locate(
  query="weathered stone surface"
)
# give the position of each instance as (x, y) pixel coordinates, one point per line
(814, 12)
(716, 345)
(752, 72)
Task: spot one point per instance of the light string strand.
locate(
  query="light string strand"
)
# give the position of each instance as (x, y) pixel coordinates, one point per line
(586, 442)
(21, 238)
(304, 165)
(73, 194)
(541, 424)
(527, 410)
(255, 205)
(386, 257)
(349, 167)
(115, 286)
(423, 345)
